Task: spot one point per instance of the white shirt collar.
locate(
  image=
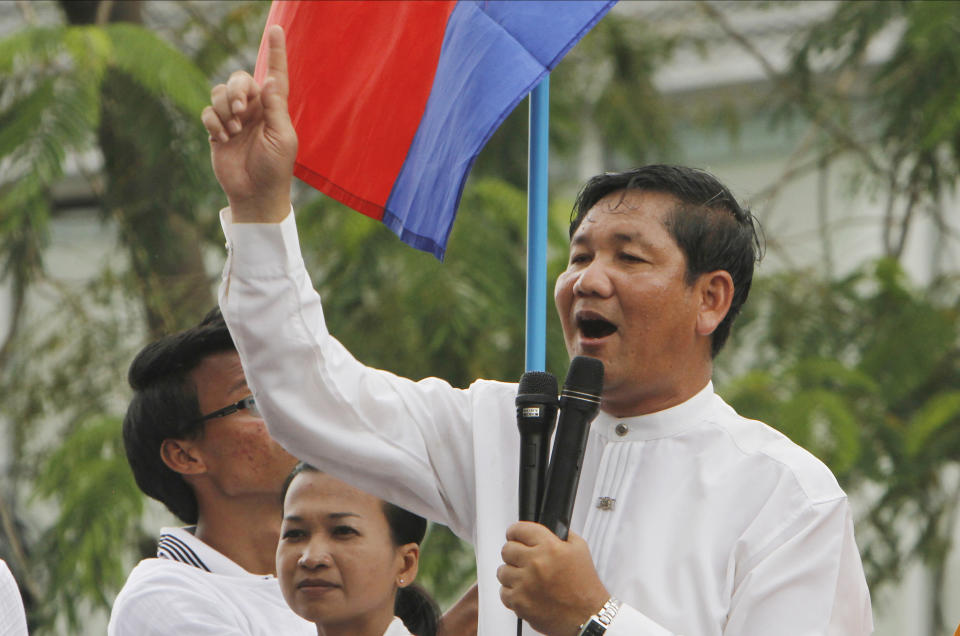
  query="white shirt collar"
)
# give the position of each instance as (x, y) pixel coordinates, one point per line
(181, 544)
(665, 423)
(396, 628)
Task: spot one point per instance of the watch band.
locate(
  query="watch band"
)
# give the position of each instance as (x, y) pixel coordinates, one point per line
(597, 624)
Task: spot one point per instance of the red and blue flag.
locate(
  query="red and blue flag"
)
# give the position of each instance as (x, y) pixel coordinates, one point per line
(392, 101)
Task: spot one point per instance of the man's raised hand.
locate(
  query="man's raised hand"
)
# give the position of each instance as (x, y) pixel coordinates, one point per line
(252, 141)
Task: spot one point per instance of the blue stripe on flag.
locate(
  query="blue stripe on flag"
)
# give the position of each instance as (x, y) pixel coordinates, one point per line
(493, 54)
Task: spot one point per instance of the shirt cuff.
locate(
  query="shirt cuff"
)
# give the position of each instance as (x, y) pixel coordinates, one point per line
(630, 622)
(261, 250)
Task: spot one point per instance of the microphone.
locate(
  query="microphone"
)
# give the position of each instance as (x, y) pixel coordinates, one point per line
(536, 416)
(579, 404)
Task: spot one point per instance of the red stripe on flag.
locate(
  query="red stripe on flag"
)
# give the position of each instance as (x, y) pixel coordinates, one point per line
(360, 74)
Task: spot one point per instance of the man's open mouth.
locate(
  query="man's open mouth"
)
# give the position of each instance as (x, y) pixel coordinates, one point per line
(595, 327)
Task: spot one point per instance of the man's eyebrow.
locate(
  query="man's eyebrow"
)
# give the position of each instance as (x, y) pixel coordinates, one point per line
(619, 237)
(239, 384)
(341, 515)
(332, 515)
(637, 238)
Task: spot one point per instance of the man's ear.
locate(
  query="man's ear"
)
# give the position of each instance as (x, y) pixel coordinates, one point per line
(715, 291)
(181, 456)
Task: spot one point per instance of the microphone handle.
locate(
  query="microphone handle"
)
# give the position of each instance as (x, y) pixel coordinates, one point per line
(543, 461)
(563, 476)
(533, 468)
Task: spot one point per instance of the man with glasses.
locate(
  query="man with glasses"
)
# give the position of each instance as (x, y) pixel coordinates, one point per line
(197, 443)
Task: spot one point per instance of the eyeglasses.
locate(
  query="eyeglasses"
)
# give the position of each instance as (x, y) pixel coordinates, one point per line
(246, 403)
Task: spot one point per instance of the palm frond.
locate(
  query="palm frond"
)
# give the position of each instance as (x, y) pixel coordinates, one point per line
(160, 68)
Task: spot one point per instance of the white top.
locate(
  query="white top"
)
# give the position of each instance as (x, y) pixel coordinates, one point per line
(13, 619)
(396, 628)
(715, 524)
(193, 589)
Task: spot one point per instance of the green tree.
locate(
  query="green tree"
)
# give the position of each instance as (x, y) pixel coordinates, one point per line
(895, 120)
(95, 83)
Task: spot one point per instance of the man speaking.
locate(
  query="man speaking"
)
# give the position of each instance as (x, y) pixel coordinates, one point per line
(689, 519)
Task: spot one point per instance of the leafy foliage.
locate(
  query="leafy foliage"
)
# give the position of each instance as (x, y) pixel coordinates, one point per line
(116, 93)
(905, 126)
(69, 452)
(88, 477)
(447, 565)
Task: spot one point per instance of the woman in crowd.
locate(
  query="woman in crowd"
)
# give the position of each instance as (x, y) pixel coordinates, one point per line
(347, 560)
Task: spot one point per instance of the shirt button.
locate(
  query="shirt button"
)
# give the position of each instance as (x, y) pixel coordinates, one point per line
(622, 429)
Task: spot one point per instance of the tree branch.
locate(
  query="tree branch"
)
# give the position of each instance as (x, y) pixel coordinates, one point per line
(906, 222)
(802, 98)
(26, 10)
(26, 578)
(16, 314)
(103, 12)
(888, 216)
(823, 215)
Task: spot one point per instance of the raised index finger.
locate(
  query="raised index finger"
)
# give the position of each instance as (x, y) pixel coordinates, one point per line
(277, 58)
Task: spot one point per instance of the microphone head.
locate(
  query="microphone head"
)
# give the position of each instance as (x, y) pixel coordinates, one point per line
(537, 386)
(584, 379)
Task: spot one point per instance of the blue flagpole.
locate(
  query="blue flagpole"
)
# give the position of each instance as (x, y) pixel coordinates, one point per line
(536, 334)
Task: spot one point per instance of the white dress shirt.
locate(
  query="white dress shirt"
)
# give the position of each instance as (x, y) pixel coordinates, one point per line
(702, 522)
(193, 589)
(13, 619)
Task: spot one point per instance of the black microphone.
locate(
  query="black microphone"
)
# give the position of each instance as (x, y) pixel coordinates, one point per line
(579, 404)
(536, 416)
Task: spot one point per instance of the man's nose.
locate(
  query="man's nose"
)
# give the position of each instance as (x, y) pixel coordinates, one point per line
(593, 280)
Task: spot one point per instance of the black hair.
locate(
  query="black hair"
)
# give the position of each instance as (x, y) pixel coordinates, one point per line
(711, 228)
(413, 605)
(164, 406)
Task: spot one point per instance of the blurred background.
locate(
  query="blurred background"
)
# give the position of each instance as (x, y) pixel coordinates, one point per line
(838, 123)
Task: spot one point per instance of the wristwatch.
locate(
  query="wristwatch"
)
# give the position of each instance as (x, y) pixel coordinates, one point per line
(599, 622)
